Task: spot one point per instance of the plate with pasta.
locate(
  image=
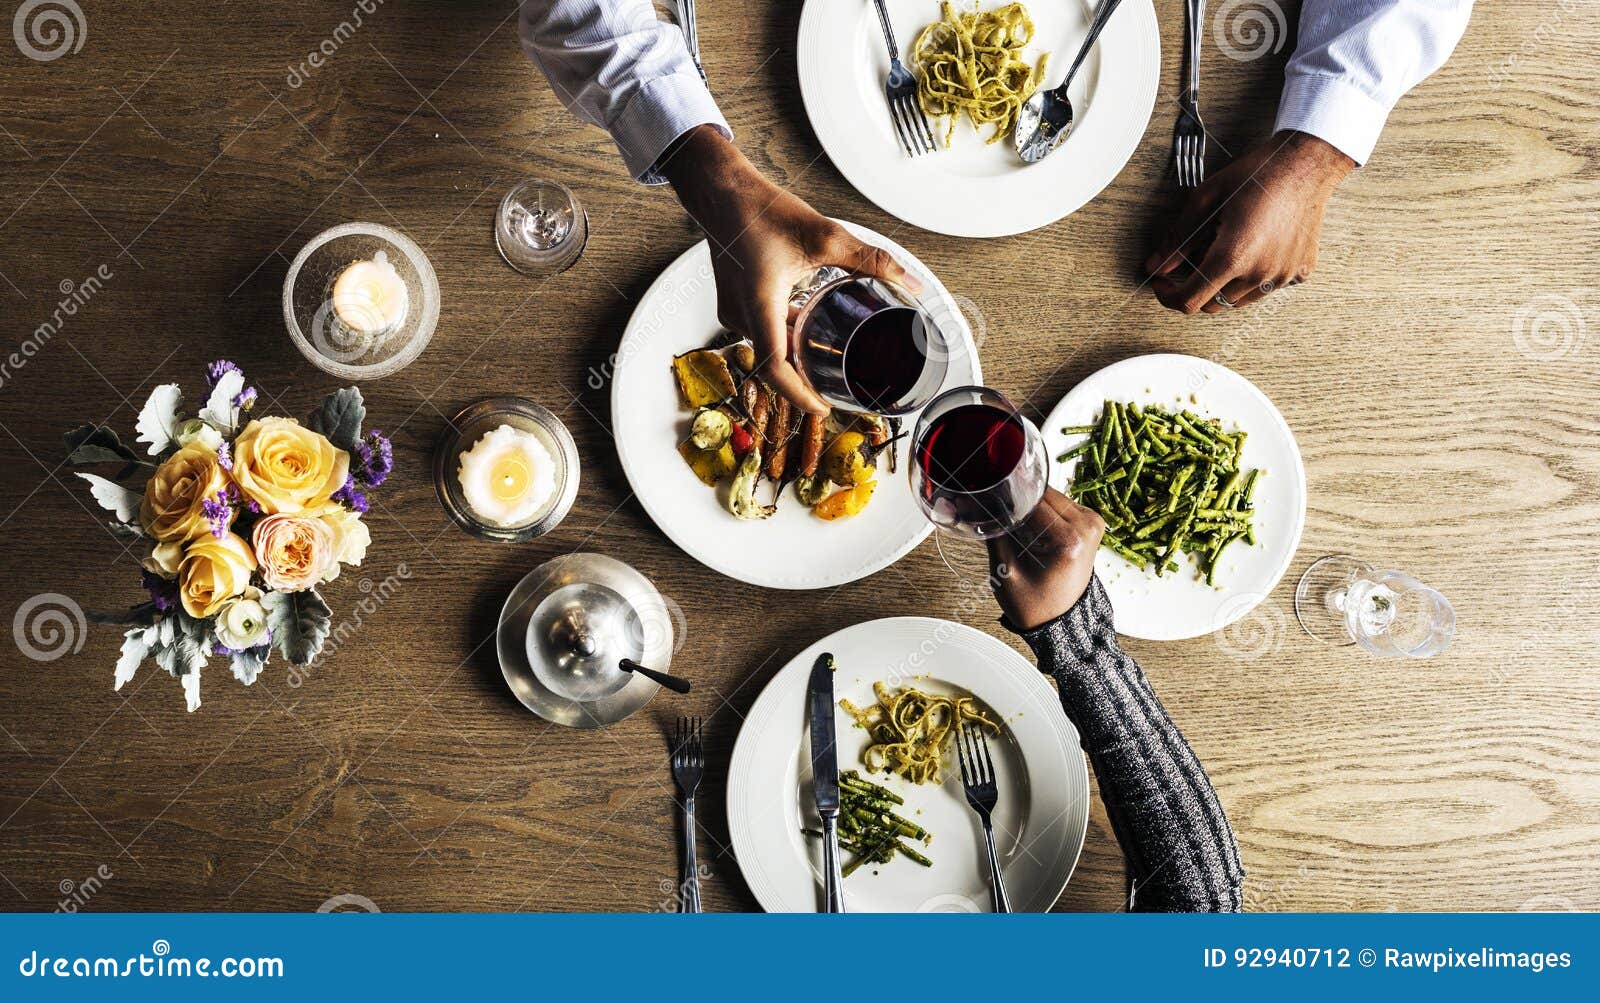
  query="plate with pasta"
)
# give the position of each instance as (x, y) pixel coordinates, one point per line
(976, 62)
(903, 685)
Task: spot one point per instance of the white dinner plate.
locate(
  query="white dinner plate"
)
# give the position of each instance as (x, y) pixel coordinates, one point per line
(1180, 604)
(974, 189)
(793, 549)
(1043, 780)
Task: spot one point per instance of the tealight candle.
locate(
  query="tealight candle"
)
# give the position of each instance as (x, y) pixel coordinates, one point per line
(508, 476)
(370, 297)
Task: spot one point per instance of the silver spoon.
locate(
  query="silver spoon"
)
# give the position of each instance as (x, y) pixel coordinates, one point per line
(1045, 119)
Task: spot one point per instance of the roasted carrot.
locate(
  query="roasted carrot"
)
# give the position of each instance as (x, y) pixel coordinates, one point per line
(811, 433)
(779, 432)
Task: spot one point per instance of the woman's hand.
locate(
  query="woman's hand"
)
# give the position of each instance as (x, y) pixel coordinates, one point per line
(763, 241)
(1040, 569)
(1250, 228)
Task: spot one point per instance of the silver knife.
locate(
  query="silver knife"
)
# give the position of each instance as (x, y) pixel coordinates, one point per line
(825, 778)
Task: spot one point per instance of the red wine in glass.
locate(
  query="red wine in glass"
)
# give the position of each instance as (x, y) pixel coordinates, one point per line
(866, 345)
(980, 465)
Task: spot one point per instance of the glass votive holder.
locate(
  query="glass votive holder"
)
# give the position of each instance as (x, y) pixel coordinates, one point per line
(540, 227)
(360, 301)
(525, 418)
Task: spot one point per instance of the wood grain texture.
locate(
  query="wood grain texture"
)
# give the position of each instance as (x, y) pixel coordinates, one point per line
(174, 150)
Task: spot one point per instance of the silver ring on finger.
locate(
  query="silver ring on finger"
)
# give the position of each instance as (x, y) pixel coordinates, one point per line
(1222, 301)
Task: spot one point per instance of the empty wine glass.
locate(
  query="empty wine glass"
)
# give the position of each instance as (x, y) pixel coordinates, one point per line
(1343, 600)
(541, 228)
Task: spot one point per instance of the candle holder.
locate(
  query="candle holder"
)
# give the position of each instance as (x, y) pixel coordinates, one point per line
(466, 428)
(364, 351)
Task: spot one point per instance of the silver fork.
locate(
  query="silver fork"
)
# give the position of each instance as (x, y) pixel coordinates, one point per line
(977, 777)
(901, 91)
(1189, 134)
(688, 768)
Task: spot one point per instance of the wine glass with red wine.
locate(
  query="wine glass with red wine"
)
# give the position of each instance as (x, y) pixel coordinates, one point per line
(867, 345)
(978, 466)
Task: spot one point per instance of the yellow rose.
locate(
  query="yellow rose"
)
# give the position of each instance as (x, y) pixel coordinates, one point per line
(350, 538)
(285, 468)
(212, 572)
(296, 552)
(171, 511)
(164, 559)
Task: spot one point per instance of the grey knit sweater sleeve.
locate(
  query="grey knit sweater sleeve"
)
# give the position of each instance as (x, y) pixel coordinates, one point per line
(1180, 849)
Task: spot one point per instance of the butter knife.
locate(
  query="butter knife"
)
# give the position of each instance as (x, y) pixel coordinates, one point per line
(825, 778)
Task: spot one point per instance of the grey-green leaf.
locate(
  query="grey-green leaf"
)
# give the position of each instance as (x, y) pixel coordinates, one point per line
(247, 663)
(299, 622)
(113, 497)
(340, 417)
(97, 444)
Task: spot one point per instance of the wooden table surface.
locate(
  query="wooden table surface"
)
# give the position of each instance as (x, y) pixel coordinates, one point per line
(1439, 373)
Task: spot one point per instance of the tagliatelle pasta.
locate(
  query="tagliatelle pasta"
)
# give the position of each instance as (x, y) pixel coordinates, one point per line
(971, 61)
(910, 729)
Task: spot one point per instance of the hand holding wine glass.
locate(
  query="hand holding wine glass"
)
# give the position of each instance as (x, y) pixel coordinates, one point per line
(1041, 568)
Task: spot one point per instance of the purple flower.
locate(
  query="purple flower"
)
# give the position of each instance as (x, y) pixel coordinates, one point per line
(218, 510)
(245, 399)
(350, 497)
(163, 593)
(217, 370)
(374, 459)
(225, 456)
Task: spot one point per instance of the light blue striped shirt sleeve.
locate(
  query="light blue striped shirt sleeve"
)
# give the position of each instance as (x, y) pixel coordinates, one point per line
(615, 64)
(1354, 59)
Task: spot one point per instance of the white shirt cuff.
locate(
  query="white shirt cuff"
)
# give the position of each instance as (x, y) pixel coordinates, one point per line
(1333, 110)
(658, 113)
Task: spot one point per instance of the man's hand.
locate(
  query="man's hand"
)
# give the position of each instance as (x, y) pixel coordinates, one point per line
(1040, 569)
(763, 241)
(1250, 228)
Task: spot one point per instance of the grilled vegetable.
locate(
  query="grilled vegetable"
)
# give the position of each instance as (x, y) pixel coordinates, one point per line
(779, 432)
(846, 501)
(845, 461)
(742, 497)
(812, 430)
(711, 429)
(703, 377)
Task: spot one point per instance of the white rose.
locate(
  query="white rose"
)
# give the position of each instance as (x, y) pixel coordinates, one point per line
(163, 559)
(242, 622)
(350, 539)
(195, 431)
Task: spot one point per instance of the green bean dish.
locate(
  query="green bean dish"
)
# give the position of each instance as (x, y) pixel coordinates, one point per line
(1166, 483)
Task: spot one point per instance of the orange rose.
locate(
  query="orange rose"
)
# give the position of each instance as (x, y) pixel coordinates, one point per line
(171, 511)
(286, 468)
(295, 552)
(212, 572)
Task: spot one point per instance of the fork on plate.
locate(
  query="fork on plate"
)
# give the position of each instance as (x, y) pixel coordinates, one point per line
(688, 769)
(977, 777)
(910, 124)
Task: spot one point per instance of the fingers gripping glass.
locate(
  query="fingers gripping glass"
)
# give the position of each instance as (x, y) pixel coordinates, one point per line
(864, 344)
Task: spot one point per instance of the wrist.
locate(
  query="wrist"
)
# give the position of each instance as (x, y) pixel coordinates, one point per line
(1315, 160)
(707, 171)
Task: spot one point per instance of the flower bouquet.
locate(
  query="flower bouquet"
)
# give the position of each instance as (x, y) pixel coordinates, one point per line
(244, 518)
